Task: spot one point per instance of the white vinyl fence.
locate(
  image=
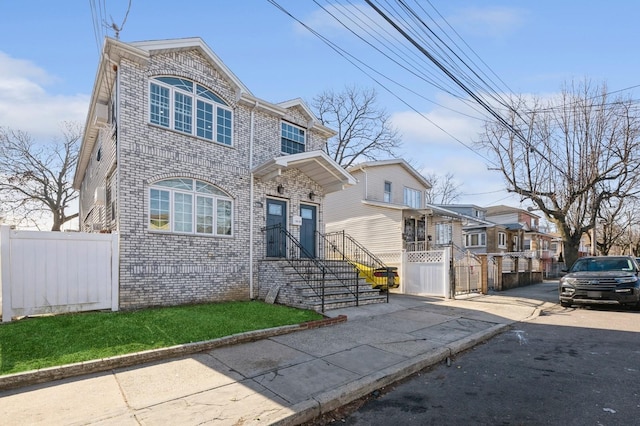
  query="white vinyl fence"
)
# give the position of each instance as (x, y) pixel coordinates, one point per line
(424, 273)
(57, 272)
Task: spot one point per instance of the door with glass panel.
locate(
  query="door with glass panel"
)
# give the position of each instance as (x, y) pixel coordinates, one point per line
(308, 230)
(276, 223)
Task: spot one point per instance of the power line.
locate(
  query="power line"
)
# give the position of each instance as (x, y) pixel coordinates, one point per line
(351, 59)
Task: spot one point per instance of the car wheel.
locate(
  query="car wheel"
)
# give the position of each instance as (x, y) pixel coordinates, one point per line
(565, 304)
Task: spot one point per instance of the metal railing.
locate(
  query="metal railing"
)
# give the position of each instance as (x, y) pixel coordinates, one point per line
(314, 271)
(341, 246)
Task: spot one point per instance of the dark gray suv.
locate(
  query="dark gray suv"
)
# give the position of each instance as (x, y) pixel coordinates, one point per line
(601, 280)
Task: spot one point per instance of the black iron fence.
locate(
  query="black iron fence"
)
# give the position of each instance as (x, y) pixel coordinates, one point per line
(340, 245)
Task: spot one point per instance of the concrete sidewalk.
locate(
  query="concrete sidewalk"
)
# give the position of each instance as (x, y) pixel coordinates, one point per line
(285, 379)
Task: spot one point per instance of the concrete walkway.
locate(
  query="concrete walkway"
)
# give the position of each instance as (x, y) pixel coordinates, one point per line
(286, 379)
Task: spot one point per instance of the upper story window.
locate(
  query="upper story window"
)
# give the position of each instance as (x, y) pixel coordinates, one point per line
(185, 106)
(189, 206)
(477, 239)
(387, 192)
(502, 240)
(413, 198)
(293, 139)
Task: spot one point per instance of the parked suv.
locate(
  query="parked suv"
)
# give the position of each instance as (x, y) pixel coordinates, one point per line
(601, 280)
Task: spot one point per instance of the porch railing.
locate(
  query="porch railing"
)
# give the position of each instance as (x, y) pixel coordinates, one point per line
(340, 245)
(314, 271)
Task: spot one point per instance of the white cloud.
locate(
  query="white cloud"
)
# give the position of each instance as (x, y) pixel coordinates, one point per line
(25, 103)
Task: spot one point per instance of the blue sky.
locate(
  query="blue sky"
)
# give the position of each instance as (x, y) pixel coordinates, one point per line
(49, 56)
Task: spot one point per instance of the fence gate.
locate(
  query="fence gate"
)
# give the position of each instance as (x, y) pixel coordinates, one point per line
(467, 274)
(426, 273)
(56, 272)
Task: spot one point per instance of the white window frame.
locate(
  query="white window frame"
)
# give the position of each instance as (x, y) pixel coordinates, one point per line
(185, 199)
(444, 233)
(413, 198)
(386, 197)
(475, 239)
(502, 240)
(290, 134)
(192, 102)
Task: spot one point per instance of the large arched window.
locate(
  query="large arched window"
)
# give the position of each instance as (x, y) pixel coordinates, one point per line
(185, 106)
(182, 205)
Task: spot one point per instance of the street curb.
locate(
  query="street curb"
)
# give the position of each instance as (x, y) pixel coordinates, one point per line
(44, 375)
(308, 410)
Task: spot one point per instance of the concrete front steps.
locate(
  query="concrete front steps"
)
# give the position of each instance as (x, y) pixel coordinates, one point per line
(342, 286)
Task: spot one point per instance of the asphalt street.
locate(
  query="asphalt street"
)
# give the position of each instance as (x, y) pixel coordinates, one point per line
(568, 366)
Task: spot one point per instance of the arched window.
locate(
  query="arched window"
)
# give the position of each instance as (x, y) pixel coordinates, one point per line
(185, 106)
(182, 205)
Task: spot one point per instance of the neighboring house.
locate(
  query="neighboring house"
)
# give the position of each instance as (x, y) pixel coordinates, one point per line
(385, 210)
(525, 232)
(480, 235)
(188, 166)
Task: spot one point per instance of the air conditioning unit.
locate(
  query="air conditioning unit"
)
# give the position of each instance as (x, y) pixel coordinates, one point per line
(101, 115)
(100, 196)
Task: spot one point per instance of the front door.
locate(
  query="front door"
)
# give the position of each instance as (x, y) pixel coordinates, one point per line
(276, 223)
(308, 230)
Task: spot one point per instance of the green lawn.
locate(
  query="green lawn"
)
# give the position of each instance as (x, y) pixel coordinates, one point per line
(40, 342)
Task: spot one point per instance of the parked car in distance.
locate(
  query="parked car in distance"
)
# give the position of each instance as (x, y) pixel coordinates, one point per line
(610, 280)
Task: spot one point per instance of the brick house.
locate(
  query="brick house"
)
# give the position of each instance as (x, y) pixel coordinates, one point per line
(188, 166)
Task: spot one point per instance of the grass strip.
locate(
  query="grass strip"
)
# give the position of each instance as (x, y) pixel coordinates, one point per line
(48, 341)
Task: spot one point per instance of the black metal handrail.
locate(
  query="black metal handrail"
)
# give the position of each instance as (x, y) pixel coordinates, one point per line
(313, 270)
(340, 245)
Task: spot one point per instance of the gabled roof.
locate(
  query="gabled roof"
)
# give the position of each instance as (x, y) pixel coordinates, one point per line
(317, 165)
(193, 43)
(311, 117)
(452, 213)
(399, 161)
(140, 52)
(502, 209)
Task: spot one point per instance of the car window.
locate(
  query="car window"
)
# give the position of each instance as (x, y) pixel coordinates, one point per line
(602, 264)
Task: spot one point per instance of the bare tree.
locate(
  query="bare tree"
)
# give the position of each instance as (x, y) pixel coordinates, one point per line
(444, 189)
(364, 129)
(611, 226)
(37, 177)
(569, 158)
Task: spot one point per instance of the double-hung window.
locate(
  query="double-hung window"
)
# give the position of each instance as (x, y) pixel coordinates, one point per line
(502, 240)
(187, 107)
(293, 139)
(189, 206)
(413, 198)
(387, 192)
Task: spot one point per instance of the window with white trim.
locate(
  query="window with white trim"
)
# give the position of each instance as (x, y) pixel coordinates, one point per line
(387, 192)
(292, 138)
(476, 239)
(182, 105)
(182, 205)
(502, 240)
(443, 233)
(413, 198)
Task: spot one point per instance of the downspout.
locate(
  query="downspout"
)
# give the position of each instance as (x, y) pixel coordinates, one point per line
(366, 183)
(251, 200)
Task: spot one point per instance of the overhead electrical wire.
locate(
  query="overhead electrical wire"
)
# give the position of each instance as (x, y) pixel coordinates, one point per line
(355, 62)
(427, 51)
